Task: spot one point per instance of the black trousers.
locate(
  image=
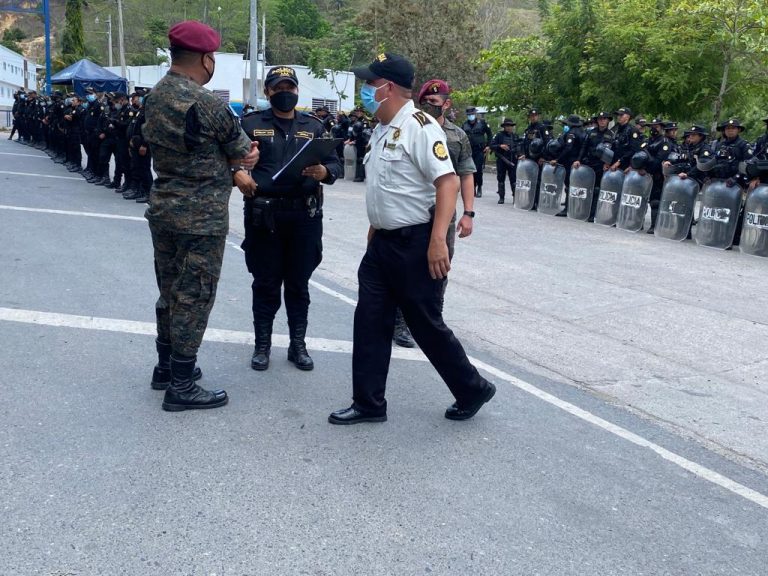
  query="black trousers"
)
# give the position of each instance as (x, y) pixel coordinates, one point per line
(107, 147)
(478, 157)
(122, 159)
(74, 151)
(392, 273)
(285, 257)
(504, 171)
(141, 170)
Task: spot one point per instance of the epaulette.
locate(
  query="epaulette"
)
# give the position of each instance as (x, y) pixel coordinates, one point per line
(251, 112)
(313, 116)
(421, 118)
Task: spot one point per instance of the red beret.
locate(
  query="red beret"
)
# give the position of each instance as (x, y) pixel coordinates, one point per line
(194, 36)
(434, 87)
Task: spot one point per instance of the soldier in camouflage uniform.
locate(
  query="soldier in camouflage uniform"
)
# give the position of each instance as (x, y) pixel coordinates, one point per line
(199, 149)
(434, 99)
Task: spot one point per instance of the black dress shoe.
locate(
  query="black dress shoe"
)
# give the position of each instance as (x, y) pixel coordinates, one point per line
(454, 412)
(562, 214)
(352, 416)
(501, 201)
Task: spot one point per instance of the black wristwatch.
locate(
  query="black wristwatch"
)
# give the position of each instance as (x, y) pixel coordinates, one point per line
(470, 213)
(235, 169)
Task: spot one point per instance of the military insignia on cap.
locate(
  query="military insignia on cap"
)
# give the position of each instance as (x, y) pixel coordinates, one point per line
(381, 57)
(396, 134)
(435, 88)
(285, 71)
(439, 151)
(730, 121)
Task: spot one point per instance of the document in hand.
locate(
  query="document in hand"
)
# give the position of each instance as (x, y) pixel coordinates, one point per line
(313, 152)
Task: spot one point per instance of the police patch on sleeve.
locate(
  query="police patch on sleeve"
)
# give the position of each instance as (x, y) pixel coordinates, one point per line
(439, 151)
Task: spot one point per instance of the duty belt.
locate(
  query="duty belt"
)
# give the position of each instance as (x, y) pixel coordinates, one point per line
(298, 203)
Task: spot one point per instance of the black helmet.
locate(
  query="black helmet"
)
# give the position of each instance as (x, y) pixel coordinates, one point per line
(554, 148)
(535, 148)
(754, 168)
(706, 161)
(639, 160)
(603, 153)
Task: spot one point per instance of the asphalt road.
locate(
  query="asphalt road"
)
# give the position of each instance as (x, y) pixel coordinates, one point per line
(628, 435)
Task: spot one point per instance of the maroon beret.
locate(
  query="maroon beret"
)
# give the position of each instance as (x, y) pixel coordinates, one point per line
(434, 87)
(194, 36)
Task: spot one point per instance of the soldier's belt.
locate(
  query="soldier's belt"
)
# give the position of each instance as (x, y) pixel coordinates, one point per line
(311, 202)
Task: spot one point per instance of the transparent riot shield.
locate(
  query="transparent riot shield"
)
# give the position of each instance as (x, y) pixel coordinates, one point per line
(526, 184)
(718, 215)
(635, 193)
(551, 188)
(580, 192)
(754, 232)
(608, 201)
(678, 200)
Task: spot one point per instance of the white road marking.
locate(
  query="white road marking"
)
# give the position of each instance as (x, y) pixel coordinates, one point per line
(74, 213)
(343, 346)
(27, 155)
(40, 175)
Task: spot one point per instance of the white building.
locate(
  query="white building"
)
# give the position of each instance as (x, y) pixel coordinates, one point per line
(16, 72)
(231, 81)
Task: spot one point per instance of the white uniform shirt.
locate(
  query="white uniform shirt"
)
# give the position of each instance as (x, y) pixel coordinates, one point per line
(405, 158)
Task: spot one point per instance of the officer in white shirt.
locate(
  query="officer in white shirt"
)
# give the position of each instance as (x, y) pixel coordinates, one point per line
(411, 192)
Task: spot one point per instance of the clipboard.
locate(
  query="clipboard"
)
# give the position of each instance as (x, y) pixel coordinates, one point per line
(313, 152)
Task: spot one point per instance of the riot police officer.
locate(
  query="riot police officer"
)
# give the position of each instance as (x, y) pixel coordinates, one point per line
(628, 141)
(283, 222)
(505, 146)
(729, 150)
(660, 148)
(571, 142)
(593, 154)
(480, 135)
(761, 144)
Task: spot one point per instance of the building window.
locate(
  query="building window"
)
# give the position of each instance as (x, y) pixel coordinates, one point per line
(332, 105)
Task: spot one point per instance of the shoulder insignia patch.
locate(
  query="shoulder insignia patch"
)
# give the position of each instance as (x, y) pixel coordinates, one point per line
(421, 118)
(439, 151)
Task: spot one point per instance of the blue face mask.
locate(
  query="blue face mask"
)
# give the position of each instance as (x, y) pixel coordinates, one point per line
(566, 129)
(141, 100)
(91, 97)
(368, 97)
(68, 101)
(471, 117)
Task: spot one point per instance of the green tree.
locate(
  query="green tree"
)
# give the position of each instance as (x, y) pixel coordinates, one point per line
(440, 38)
(343, 48)
(11, 39)
(73, 41)
(301, 18)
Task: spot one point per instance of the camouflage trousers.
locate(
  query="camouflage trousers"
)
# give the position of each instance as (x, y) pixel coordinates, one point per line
(187, 268)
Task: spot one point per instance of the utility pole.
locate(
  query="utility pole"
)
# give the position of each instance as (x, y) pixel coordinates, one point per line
(263, 51)
(254, 54)
(120, 38)
(109, 35)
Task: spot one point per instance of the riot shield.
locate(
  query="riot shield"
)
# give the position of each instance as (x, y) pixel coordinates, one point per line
(678, 199)
(581, 189)
(551, 188)
(635, 193)
(718, 215)
(754, 233)
(608, 200)
(526, 184)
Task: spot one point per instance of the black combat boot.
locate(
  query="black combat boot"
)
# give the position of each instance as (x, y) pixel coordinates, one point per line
(132, 193)
(105, 181)
(297, 350)
(263, 332)
(114, 185)
(126, 185)
(479, 192)
(183, 393)
(654, 217)
(402, 336)
(93, 178)
(161, 375)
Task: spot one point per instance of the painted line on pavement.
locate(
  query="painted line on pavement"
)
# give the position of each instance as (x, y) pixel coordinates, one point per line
(343, 346)
(74, 213)
(40, 175)
(27, 155)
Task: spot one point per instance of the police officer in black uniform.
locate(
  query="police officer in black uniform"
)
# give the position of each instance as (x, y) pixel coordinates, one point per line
(283, 222)
(90, 136)
(359, 135)
(628, 141)
(571, 142)
(660, 148)
(592, 156)
(73, 128)
(480, 136)
(761, 144)
(140, 182)
(505, 145)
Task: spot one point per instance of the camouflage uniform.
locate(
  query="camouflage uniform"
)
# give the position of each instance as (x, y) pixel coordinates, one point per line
(460, 151)
(192, 134)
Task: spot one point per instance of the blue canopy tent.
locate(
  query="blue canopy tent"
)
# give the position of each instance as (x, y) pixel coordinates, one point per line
(85, 74)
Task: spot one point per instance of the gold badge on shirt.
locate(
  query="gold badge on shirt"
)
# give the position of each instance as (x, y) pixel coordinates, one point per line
(439, 151)
(396, 134)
